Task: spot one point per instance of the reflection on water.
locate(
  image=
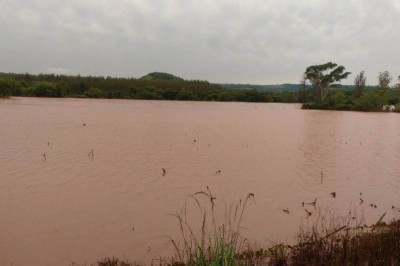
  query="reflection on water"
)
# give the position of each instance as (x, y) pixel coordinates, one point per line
(72, 206)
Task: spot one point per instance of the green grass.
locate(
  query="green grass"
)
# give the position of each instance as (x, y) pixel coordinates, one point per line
(215, 242)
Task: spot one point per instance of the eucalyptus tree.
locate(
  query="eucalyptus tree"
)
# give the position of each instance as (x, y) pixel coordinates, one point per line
(322, 76)
(359, 84)
(384, 79)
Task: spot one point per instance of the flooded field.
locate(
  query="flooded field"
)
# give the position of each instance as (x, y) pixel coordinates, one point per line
(81, 179)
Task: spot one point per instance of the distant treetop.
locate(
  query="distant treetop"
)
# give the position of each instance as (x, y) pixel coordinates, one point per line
(160, 76)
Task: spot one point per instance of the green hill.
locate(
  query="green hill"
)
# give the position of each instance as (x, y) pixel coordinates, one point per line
(160, 76)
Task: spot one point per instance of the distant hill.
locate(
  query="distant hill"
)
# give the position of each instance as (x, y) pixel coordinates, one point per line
(160, 76)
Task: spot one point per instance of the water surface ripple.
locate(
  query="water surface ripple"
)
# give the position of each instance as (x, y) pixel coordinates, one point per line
(74, 207)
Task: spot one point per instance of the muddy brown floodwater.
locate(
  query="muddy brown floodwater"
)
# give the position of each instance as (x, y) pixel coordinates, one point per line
(75, 205)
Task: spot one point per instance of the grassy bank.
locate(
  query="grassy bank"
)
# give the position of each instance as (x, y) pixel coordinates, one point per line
(329, 240)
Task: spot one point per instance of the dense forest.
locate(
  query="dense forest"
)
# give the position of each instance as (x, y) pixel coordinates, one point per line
(320, 93)
(154, 86)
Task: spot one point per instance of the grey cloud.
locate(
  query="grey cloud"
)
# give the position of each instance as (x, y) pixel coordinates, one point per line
(245, 41)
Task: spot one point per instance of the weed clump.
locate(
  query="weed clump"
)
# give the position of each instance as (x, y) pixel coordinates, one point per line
(347, 241)
(216, 242)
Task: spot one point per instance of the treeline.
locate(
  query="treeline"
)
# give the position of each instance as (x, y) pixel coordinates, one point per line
(50, 85)
(359, 97)
(323, 93)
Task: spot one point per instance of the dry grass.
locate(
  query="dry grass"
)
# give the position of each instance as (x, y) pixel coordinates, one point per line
(346, 241)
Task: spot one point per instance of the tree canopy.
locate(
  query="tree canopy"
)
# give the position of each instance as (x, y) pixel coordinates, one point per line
(322, 76)
(359, 84)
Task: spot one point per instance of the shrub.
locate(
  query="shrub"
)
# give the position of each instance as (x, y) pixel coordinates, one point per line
(370, 101)
(94, 93)
(397, 108)
(46, 89)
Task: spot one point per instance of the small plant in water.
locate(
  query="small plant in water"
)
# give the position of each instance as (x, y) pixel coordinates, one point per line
(215, 243)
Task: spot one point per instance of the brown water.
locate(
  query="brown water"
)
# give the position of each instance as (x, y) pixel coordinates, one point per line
(71, 207)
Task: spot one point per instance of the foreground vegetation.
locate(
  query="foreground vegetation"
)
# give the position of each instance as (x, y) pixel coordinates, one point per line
(329, 240)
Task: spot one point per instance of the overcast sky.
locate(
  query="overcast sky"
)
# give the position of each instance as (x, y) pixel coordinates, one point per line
(241, 41)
